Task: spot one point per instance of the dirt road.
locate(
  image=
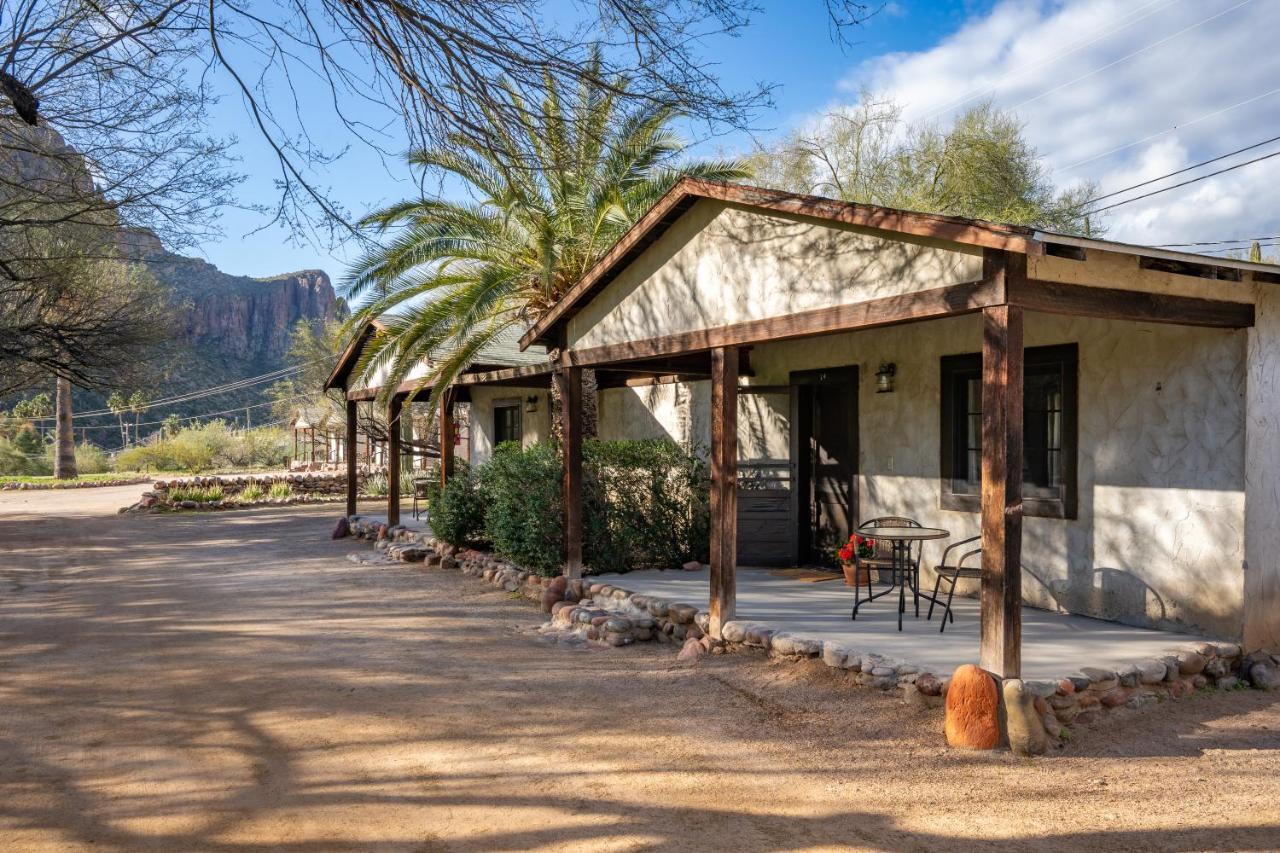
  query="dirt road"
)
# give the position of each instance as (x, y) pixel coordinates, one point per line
(229, 682)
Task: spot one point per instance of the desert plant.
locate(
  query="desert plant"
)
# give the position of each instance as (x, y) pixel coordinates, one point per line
(250, 493)
(280, 491)
(376, 486)
(199, 494)
(91, 459)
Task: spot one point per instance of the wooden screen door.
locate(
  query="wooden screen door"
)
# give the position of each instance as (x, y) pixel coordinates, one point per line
(825, 446)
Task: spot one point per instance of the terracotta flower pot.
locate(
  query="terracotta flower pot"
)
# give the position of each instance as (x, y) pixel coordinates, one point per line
(854, 576)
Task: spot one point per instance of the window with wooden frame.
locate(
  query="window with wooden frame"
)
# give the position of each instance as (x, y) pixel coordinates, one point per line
(1050, 416)
(506, 421)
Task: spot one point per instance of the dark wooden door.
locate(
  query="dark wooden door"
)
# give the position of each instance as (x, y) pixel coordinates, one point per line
(827, 453)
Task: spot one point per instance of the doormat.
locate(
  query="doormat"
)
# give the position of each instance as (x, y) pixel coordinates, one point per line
(807, 575)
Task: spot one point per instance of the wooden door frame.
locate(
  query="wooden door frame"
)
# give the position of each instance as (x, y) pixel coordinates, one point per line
(799, 381)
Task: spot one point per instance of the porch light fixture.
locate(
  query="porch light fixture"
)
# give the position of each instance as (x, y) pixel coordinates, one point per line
(884, 377)
(531, 404)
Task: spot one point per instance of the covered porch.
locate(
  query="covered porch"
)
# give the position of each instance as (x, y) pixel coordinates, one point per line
(1053, 644)
(759, 291)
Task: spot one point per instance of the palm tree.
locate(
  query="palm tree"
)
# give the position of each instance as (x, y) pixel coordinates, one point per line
(547, 197)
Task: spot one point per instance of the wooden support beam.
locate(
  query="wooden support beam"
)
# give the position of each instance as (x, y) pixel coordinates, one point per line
(885, 311)
(570, 379)
(1000, 649)
(724, 487)
(353, 479)
(1052, 297)
(393, 459)
(446, 436)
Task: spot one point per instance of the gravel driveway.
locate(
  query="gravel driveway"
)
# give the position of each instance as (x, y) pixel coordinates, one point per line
(230, 682)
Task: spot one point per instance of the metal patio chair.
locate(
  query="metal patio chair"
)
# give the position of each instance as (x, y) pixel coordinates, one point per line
(882, 561)
(953, 573)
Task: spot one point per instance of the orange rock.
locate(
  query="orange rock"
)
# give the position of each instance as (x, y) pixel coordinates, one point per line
(973, 715)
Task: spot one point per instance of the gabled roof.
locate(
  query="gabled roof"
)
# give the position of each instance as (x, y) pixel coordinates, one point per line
(503, 351)
(974, 232)
(350, 356)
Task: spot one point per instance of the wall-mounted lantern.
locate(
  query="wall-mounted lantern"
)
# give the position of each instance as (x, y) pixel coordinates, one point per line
(531, 404)
(884, 377)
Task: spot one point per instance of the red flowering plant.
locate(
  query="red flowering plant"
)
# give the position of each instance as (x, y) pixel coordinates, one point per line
(860, 545)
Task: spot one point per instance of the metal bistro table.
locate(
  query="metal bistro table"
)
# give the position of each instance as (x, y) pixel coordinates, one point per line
(903, 574)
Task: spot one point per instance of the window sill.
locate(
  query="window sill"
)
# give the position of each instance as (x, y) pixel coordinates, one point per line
(1031, 507)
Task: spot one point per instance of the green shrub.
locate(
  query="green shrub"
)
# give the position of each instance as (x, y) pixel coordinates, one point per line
(199, 447)
(250, 493)
(24, 456)
(280, 490)
(457, 513)
(524, 506)
(91, 459)
(644, 505)
(199, 494)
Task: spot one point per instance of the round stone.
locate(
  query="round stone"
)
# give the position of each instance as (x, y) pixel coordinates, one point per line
(972, 710)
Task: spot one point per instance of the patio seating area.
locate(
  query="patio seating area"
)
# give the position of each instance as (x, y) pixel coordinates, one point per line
(1053, 644)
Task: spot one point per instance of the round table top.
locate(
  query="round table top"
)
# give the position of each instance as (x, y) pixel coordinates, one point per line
(903, 532)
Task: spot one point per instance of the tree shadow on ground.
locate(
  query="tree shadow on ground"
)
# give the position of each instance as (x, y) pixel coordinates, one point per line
(231, 683)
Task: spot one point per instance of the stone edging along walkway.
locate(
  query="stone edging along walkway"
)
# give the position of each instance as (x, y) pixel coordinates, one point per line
(311, 488)
(610, 614)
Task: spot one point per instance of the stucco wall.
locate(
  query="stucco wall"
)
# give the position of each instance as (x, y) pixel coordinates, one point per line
(1262, 476)
(721, 264)
(535, 426)
(1160, 535)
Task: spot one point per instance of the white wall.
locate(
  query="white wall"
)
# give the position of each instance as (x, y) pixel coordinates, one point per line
(535, 426)
(721, 264)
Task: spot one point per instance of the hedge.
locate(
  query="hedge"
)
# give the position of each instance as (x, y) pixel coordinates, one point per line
(644, 506)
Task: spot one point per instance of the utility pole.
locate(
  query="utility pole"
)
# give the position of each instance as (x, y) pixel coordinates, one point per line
(248, 424)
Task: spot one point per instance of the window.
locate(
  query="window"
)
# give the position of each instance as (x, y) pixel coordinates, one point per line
(506, 422)
(1049, 401)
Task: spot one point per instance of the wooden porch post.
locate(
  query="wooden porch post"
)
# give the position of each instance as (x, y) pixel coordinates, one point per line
(1000, 651)
(570, 379)
(724, 486)
(446, 436)
(352, 477)
(393, 459)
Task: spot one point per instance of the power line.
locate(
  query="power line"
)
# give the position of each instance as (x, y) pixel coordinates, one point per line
(1192, 167)
(236, 385)
(1187, 182)
(1214, 242)
(1181, 126)
(1129, 56)
(1032, 66)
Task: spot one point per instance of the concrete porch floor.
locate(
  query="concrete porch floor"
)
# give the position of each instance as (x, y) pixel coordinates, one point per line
(1053, 644)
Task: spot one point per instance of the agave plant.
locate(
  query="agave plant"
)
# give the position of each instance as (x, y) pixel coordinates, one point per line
(545, 199)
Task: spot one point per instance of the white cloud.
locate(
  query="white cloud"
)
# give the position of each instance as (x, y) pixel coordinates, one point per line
(1090, 76)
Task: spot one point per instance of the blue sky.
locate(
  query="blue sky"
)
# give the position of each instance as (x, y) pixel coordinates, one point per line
(1101, 86)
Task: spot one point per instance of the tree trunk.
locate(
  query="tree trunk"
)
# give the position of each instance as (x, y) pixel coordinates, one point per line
(590, 409)
(64, 459)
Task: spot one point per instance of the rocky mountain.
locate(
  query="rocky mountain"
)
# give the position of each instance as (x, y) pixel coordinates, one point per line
(227, 328)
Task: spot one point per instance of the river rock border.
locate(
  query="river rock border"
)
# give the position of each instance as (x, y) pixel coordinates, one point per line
(309, 488)
(611, 614)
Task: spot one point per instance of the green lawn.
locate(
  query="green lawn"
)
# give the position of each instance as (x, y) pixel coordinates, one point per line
(83, 478)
